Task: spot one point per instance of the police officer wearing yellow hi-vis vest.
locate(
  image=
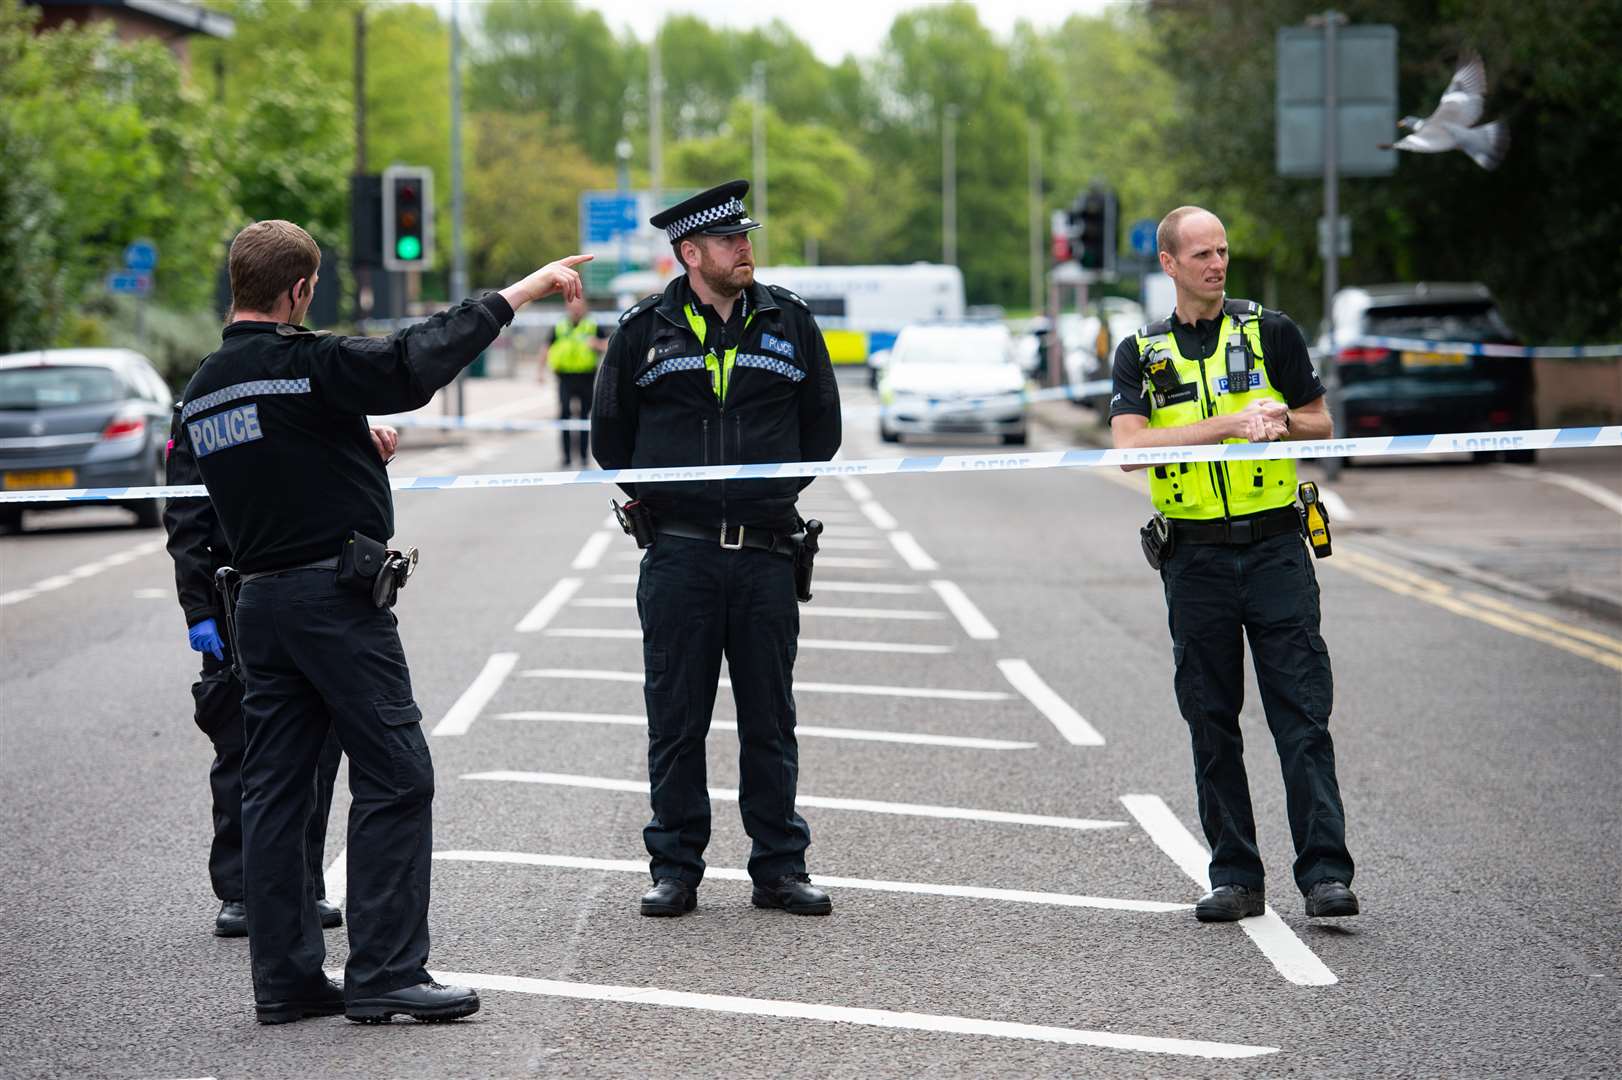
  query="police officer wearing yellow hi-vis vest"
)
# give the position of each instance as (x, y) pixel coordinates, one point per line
(576, 344)
(1227, 539)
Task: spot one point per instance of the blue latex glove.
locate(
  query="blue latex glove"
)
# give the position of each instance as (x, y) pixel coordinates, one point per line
(205, 638)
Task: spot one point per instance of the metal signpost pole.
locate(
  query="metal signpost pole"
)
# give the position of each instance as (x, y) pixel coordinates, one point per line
(458, 255)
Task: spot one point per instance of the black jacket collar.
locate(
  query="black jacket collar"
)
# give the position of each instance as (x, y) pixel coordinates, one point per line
(679, 293)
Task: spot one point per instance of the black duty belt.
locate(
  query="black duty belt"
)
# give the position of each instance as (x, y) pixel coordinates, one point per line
(1262, 526)
(322, 564)
(733, 537)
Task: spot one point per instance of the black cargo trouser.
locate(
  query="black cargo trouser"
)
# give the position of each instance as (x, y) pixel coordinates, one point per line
(1216, 595)
(698, 601)
(317, 657)
(574, 396)
(218, 695)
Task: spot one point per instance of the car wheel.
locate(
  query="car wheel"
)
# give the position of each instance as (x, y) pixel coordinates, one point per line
(149, 512)
(1014, 438)
(11, 519)
(1520, 457)
(887, 435)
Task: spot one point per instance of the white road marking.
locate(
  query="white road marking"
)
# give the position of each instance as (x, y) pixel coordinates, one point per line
(152, 594)
(808, 730)
(976, 625)
(549, 605)
(911, 552)
(477, 695)
(1586, 488)
(1075, 729)
(805, 612)
(604, 602)
(591, 552)
(337, 878)
(840, 562)
(865, 587)
(969, 892)
(805, 643)
(958, 813)
(878, 515)
(1288, 953)
(80, 573)
(841, 1014)
(856, 489)
(857, 544)
(805, 687)
(1338, 510)
(620, 579)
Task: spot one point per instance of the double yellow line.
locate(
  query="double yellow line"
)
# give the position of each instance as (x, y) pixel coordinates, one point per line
(1589, 644)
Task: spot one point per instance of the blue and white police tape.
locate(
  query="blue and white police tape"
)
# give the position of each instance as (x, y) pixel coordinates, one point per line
(1379, 446)
(1476, 348)
(1071, 392)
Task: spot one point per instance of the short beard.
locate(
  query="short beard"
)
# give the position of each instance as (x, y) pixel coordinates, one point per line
(725, 283)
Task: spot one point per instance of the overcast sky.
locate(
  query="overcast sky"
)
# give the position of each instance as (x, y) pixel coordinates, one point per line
(833, 28)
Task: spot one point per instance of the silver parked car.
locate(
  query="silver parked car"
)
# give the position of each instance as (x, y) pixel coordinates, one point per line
(953, 378)
(82, 418)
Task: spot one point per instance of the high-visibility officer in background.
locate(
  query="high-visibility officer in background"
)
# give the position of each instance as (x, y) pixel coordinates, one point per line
(197, 546)
(719, 369)
(576, 346)
(1228, 542)
(276, 418)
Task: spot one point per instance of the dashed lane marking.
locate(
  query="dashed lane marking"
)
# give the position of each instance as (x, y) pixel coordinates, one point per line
(912, 552)
(337, 878)
(805, 643)
(1288, 953)
(868, 689)
(80, 573)
(549, 605)
(968, 892)
(878, 515)
(477, 695)
(591, 552)
(1075, 729)
(876, 588)
(958, 813)
(841, 1014)
(976, 625)
(804, 730)
(805, 612)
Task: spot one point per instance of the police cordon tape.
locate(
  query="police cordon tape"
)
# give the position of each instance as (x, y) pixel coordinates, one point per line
(1476, 348)
(1378, 446)
(1071, 392)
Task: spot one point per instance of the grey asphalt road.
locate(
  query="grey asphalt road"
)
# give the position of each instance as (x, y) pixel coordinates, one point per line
(1018, 907)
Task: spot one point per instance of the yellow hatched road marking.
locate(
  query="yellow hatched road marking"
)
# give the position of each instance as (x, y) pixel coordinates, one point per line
(1493, 612)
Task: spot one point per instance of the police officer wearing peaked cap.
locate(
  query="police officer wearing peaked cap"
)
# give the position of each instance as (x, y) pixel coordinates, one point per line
(719, 370)
(276, 419)
(1220, 369)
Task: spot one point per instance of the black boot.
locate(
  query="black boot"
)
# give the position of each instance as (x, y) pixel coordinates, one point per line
(325, 999)
(1227, 903)
(794, 893)
(428, 1002)
(669, 896)
(331, 914)
(1330, 899)
(232, 921)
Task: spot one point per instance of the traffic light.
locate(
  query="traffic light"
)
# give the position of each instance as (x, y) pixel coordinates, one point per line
(408, 217)
(1095, 215)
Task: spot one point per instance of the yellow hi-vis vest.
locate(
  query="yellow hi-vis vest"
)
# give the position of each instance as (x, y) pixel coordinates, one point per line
(1181, 392)
(571, 353)
(719, 367)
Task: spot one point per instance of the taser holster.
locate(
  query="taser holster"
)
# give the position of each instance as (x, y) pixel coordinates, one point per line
(1314, 520)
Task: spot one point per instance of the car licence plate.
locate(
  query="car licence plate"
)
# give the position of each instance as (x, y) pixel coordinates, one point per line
(1433, 359)
(38, 479)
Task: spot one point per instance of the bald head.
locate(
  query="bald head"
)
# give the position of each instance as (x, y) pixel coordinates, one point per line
(1169, 237)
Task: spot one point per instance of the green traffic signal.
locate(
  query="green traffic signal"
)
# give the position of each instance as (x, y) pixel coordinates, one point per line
(408, 247)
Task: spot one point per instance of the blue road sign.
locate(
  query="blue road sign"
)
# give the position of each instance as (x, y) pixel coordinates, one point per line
(132, 282)
(141, 256)
(605, 218)
(1143, 237)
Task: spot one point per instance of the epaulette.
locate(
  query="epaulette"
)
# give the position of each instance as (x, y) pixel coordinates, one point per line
(1155, 328)
(787, 294)
(1241, 308)
(289, 330)
(644, 304)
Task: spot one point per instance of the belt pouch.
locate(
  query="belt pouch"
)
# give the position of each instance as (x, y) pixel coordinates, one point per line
(359, 562)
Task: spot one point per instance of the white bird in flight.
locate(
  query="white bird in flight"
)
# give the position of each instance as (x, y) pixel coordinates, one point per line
(1451, 126)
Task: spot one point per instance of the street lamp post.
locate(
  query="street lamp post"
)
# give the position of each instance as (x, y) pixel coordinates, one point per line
(949, 186)
(622, 153)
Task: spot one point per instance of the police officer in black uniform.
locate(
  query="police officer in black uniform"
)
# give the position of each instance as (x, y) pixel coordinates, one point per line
(276, 418)
(719, 369)
(1220, 369)
(197, 546)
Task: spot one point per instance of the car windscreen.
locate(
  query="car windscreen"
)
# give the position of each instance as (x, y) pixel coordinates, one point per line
(59, 387)
(954, 348)
(1461, 321)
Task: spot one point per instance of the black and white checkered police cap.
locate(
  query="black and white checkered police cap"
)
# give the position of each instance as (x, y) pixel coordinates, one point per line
(716, 212)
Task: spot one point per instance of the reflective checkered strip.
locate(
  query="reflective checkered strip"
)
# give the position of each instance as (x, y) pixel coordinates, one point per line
(771, 364)
(680, 228)
(261, 388)
(666, 367)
